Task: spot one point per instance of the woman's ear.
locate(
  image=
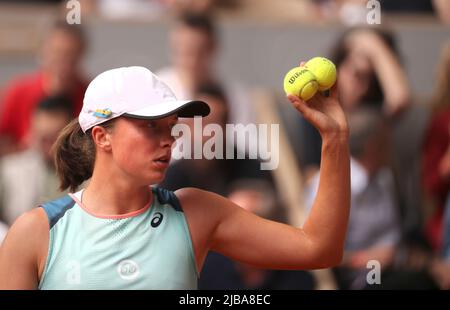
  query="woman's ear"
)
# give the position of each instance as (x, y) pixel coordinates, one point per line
(102, 138)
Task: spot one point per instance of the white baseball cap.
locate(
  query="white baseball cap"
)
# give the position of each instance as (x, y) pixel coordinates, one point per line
(133, 92)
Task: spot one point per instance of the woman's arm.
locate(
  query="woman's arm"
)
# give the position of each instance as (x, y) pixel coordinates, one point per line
(23, 252)
(218, 224)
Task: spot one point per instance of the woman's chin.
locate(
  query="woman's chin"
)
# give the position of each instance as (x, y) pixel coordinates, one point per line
(157, 176)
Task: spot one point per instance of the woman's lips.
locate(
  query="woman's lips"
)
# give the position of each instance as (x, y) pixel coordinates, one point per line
(162, 163)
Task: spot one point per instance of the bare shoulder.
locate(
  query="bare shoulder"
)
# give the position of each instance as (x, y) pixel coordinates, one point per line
(28, 238)
(29, 225)
(203, 202)
(194, 202)
(188, 194)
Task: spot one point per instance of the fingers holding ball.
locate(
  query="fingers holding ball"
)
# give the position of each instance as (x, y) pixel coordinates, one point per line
(318, 74)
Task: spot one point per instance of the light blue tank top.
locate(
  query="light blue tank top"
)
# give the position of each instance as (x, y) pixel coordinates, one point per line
(147, 249)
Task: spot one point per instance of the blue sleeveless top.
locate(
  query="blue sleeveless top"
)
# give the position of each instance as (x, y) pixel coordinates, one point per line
(147, 249)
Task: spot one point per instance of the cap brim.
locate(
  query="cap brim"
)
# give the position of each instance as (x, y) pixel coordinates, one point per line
(187, 108)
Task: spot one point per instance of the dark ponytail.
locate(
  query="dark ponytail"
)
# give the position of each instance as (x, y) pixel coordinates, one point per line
(74, 156)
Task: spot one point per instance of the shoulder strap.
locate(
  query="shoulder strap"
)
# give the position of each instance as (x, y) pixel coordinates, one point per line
(165, 196)
(56, 209)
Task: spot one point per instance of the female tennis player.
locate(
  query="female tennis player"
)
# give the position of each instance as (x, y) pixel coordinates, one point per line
(121, 233)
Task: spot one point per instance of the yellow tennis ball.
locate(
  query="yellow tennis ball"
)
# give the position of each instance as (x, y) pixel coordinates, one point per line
(324, 71)
(301, 83)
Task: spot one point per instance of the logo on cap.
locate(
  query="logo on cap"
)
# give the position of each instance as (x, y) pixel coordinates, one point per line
(103, 113)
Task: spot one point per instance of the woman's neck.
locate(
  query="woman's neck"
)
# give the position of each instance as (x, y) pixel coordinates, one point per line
(115, 196)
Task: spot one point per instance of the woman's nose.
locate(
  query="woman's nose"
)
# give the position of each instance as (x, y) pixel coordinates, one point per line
(167, 139)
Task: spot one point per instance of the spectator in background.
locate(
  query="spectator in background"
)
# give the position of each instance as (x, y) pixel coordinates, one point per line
(436, 147)
(212, 174)
(194, 45)
(28, 178)
(374, 227)
(219, 272)
(59, 74)
(436, 171)
(370, 71)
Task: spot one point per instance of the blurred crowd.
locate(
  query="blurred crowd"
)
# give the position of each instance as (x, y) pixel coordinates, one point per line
(400, 148)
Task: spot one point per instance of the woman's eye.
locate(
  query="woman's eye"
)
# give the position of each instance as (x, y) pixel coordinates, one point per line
(151, 125)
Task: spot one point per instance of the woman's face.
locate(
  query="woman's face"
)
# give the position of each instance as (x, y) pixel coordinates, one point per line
(142, 148)
(354, 76)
